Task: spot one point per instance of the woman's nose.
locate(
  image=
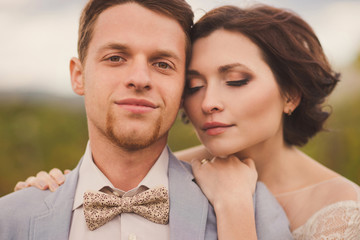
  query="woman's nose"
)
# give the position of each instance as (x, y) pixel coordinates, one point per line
(212, 101)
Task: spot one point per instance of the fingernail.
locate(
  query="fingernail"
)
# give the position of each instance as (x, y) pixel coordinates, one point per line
(60, 179)
(53, 187)
(42, 184)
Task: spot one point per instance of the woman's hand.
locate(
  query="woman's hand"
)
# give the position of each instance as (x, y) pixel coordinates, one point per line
(44, 180)
(229, 185)
(225, 178)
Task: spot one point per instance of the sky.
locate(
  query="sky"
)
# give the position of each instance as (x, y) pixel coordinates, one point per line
(38, 37)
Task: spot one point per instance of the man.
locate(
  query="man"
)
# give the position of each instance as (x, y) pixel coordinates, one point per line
(131, 72)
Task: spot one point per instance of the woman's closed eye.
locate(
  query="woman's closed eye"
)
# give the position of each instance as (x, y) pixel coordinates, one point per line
(194, 84)
(238, 83)
(192, 90)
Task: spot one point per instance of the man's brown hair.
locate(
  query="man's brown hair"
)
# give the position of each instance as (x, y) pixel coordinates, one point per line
(178, 10)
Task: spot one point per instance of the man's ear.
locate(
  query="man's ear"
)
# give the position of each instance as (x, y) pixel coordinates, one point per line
(76, 74)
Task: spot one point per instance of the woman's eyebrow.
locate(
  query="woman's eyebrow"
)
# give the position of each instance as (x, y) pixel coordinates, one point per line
(192, 72)
(227, 67)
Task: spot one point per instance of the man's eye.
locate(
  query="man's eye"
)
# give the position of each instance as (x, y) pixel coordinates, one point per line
(162, 65)
(115, 59)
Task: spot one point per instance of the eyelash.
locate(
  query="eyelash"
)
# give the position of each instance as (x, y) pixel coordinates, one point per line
(168, 66)
(238, 83)
(118, 59)
(193, 90)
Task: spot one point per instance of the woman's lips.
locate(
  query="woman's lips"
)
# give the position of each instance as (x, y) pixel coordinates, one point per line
(215, 128)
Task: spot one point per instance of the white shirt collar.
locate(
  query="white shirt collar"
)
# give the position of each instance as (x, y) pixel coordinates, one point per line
(91, 178)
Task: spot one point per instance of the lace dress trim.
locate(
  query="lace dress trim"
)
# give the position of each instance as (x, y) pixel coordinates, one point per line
(340, 220)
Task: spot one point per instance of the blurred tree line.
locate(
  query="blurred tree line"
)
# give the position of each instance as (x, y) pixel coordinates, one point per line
(42, 133)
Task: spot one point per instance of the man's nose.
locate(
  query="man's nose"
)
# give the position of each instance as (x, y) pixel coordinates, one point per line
(139, 76)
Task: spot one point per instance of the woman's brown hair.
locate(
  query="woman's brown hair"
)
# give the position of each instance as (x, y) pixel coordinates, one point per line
(293, 52)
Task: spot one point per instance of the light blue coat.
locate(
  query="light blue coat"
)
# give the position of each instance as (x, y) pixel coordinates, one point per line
(42, 215)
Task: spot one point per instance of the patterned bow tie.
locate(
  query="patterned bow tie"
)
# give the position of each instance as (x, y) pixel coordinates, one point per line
(100, 208)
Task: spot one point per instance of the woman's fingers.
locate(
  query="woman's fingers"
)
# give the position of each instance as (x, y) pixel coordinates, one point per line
(43, 181)
(196, 164)
(57, 175)
(20, 185)
(249, 162)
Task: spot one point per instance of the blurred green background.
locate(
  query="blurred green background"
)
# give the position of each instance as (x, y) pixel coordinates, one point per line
(39, 132)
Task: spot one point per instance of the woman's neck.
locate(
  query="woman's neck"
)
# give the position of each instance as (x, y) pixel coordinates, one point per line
(276, 163)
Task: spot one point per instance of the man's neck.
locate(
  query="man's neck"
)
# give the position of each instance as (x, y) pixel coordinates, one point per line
(125, 169)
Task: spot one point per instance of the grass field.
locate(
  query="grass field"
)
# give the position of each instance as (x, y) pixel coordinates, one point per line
(47, 132)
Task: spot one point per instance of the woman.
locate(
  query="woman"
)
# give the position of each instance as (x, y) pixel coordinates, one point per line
(260, 96)
(255, 86)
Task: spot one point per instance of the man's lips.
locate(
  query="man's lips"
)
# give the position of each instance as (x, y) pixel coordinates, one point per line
(136, 105)
(215, 128)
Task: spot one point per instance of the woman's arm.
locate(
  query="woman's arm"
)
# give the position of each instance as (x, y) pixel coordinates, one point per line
(229, 185)
(55, 177)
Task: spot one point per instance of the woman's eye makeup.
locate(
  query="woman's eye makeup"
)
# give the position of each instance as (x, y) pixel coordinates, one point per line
(192, 90)
(193, 85)
(238, 83)
(232, 78)
(236, 78)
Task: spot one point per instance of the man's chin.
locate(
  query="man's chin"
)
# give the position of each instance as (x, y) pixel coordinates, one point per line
(133, 141)
(133, 136)
(132, 145)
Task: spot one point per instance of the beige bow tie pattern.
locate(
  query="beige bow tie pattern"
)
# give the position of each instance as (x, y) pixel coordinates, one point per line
(100, 208)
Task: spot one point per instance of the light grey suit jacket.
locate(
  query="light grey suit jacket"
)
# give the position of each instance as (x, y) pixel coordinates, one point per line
(37, 215)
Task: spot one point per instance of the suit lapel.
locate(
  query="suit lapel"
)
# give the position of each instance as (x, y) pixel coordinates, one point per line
(188, 205)
(271, 220)
(55, 222)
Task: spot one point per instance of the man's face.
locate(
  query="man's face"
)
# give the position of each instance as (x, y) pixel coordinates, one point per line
(133, 76)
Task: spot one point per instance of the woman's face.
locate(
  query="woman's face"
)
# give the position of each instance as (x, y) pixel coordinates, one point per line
(233, 99)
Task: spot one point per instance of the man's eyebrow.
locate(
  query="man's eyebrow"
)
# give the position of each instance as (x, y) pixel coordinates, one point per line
(166, 54)
(227, 67)
(114, 46)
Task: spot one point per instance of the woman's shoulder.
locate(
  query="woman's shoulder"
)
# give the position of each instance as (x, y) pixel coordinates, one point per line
(340, 220)
(304, 203)
(335, 190)
(334, 212)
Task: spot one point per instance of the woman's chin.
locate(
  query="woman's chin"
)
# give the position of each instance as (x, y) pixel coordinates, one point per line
(220, 154)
